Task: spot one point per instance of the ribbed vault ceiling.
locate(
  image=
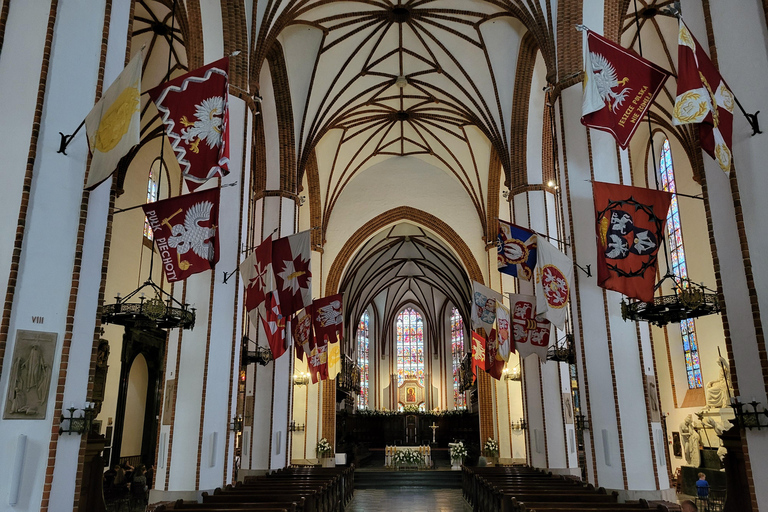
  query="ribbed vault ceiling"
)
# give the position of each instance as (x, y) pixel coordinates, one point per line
(400, 265)
(377, 79)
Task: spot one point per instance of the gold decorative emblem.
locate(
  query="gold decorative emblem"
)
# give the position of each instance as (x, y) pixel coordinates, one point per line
(723, 155)
(726, 97)
(154, 308)
(692, 297)
(116, 120)
(691, 107)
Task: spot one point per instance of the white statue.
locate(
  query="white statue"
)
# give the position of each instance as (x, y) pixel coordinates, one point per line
(717, 390)
(691, 442)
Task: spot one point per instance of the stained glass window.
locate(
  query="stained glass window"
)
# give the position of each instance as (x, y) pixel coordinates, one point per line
(362, 360)
(154, 176)
(410, 346)
(457, 352)
(677, 255)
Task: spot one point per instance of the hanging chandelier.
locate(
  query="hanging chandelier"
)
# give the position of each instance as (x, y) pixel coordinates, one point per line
(161, 310)
(688, 300)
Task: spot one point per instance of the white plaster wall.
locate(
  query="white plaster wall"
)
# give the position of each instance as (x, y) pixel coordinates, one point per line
(429, 189)
(223, 335)
(743, 70)
(52, 219)
(20, 64)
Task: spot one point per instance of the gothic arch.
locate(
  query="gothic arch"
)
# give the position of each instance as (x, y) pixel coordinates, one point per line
(390, 217)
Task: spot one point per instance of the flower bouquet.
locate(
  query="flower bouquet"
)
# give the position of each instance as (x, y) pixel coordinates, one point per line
(491, 447)
(408, 458)
(458, 451)
(323, 449)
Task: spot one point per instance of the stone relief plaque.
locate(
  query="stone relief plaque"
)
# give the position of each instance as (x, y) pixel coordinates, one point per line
(30, 378)
(169, 398)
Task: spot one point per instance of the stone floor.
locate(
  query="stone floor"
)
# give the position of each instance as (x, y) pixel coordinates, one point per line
(412, 499)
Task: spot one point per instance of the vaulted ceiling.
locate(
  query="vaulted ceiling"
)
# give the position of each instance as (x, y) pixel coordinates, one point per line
(405, 264)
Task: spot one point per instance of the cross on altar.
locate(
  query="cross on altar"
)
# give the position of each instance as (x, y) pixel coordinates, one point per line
(434, 429)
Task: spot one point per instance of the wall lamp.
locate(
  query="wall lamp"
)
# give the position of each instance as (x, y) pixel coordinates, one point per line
(300, 379)
(71, 424)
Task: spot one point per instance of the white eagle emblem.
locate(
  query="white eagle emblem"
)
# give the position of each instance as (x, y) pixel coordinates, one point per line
(191, 235)
(330, 314)
(606, 80)
(210, 116)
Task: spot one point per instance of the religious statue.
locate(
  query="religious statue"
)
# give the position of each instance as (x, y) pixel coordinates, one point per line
(719, 428)
(717, 391)
(691, 442)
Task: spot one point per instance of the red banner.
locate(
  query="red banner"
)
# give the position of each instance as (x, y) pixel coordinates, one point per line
(630, 227)
(291, 262)
(703, 97)
(327, 319)
(494, 364)
(318, 363)
(274, 325)
(257, 274)
(619, 88)
(478, 353)
(184, 229)
(195, 113)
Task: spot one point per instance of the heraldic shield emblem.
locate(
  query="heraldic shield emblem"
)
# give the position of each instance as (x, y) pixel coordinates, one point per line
(629, 229)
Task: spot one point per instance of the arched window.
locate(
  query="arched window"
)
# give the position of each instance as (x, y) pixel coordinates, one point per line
(457, 352)
(677, 254)
(152, 182)
(362, 360)
(410, 346)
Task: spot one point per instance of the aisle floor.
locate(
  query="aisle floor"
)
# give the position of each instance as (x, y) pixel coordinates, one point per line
(412, 499)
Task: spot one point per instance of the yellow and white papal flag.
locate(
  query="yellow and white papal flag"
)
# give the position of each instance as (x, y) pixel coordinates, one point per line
(113, 124)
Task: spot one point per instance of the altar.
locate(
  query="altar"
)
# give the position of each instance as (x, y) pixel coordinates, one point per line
(424, 451)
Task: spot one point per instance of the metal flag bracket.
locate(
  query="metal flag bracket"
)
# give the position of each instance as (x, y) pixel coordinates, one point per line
(587, 270)
(66, 139)
(227, 276)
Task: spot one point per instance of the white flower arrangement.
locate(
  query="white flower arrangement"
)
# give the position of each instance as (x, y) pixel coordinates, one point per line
(408, 457)
(323, 448)
(491, 447)
(458, 451)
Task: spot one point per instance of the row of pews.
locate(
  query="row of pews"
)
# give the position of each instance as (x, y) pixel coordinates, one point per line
(524, 489)
(306, 489)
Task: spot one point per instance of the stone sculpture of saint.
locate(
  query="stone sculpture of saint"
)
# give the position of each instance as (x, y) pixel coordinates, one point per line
(691, 442)
(717, 390)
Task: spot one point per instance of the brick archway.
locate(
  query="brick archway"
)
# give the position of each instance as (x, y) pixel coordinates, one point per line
(394, 215)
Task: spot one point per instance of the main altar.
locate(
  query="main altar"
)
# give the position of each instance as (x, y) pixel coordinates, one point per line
(424, 454)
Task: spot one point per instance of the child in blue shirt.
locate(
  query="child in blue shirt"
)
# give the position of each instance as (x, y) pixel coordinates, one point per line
(702, 486)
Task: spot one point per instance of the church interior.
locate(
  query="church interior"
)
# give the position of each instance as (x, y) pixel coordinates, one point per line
(396, 136)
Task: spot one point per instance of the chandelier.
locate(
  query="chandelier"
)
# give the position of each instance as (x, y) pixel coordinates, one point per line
(161, 310)
(688, 300)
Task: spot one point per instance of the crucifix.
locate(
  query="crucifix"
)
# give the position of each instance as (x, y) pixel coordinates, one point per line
(434, 430)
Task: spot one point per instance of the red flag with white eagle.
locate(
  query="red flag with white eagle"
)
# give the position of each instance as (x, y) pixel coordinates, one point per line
(274, 325)
(327, 319)
(302, 333)
(478, 353)
(257, 274)
(703, 97)
(184, 230)
(619, 87)
(195, 113)
(291, 260)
